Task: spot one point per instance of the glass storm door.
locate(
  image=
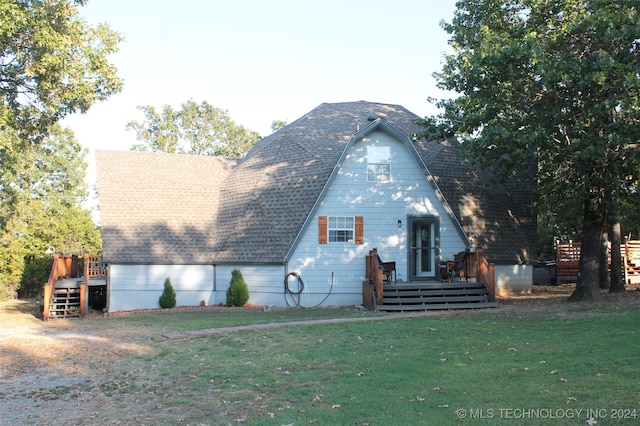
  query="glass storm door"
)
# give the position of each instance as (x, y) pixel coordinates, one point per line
(423, 248)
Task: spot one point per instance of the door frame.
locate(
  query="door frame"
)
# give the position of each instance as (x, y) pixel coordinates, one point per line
(412, 221)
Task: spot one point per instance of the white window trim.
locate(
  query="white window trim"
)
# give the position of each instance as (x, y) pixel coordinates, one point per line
(378, 175)
(333, 224)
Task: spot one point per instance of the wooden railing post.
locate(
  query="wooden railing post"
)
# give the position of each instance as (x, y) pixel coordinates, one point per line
(46, 301)
(83, 299)
(486, 273)
(380, 285)
(374, 274)
(57, 268)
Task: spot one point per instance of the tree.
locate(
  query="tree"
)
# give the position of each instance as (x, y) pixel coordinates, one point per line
(159, 133)
(238, 291)
(199, 129)
(555, 81)
(42, 189)
(277, 125)
(168, 298)
(52, 63)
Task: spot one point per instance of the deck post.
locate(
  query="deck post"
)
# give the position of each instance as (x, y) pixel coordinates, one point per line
(491, 285)
(374, 273)
(83, 299)
(379, 285)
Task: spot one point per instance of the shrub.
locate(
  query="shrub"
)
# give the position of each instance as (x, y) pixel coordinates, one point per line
(238, 291)
(168, 298)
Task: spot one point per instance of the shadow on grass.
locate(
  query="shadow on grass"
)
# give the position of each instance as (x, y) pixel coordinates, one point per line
(29, 307)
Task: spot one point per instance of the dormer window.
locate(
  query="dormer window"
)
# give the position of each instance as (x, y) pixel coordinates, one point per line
(378, 164)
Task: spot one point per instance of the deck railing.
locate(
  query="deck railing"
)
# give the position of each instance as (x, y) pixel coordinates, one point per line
(631, 258)
(64, 267)
(486, 274)
(568, 261)
(374, 280)
(474, 267)
(93, 267)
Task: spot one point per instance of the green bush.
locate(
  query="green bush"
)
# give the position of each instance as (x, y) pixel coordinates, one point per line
(168, 298)
(238, 291)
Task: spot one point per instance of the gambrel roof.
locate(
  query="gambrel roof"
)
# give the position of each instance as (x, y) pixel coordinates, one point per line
(181, 209)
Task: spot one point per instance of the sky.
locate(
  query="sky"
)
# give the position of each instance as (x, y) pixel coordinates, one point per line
(263, 60)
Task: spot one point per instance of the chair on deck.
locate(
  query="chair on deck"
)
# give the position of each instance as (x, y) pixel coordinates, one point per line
(454, 270)
(389, 271)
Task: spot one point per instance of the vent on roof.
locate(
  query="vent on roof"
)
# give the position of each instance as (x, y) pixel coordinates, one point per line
(372, 117)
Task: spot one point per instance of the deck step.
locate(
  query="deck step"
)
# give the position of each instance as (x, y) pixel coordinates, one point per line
(436, 306)
(438, 299)
(65, 303)
(435, 295)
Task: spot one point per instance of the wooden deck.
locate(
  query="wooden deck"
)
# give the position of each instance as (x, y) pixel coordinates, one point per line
(73, 286)
(631, 254)
(435, 295)
(472, 286)
(568, 260)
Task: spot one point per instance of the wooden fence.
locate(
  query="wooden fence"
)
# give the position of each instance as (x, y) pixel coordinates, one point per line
(568, 260)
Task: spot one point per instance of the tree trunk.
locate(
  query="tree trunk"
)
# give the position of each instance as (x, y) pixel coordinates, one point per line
(617, 278)
(604, 260)
(588, 287)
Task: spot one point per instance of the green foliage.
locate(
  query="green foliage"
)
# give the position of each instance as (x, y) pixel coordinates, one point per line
(558, 80)
(168, 298)
(42, 189)
(199, 129)
(550, 83)
(238, 291)
(277, 125)
(52, 64)
(36, 272)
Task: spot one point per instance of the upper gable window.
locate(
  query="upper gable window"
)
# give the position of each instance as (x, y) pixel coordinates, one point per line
(378, 163)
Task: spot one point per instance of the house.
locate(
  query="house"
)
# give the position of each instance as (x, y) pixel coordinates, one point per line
(299, 213)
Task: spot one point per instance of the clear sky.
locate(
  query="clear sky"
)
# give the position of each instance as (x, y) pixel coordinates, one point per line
(264, 59)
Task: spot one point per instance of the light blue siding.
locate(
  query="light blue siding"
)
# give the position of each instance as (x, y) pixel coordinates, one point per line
(340, 267)
(265, 282)
(513, 279)
(140, 286)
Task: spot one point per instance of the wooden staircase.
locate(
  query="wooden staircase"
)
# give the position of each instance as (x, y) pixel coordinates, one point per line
(65, 300)
(421, 296)
(73, 286)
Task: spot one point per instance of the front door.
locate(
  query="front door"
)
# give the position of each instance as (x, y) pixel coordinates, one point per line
(423, 253)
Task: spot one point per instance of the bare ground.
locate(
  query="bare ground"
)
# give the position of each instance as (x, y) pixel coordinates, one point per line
(51, 372)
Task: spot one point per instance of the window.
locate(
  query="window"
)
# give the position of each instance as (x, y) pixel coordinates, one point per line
(378, 164)
(339, 229)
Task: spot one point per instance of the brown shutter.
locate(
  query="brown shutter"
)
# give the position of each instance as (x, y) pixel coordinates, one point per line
(359, 230)
(322, 230)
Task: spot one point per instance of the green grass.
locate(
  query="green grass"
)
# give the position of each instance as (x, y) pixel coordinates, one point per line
(499, 367)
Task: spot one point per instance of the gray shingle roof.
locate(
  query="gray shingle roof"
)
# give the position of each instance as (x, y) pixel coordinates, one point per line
(497, 218)
(159, 207)
(167, 212)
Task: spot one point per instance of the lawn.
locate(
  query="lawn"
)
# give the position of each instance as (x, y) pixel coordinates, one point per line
(530, 361)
